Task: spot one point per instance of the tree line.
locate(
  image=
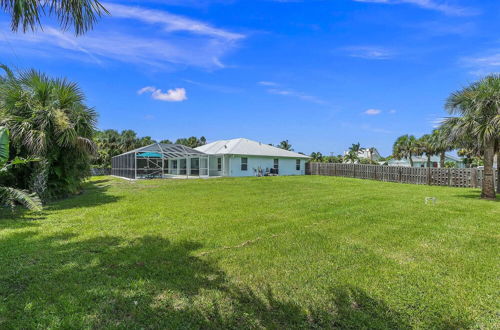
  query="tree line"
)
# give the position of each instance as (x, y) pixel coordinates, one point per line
(111, 143)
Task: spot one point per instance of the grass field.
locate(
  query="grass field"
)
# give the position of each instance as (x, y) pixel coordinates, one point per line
(280, 252)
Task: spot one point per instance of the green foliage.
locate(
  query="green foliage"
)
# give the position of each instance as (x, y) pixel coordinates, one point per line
(450, 164)
(81, 15)
(47, 119)
(285, 145)
(351, 156)
(316, 157)
(9, 195)
(406, 146)
(242, 253)
(4, 145)
(192, 142)
(111, 143)
(367, 161)
(477, 126)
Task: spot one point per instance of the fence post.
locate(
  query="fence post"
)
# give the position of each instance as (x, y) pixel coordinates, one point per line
(474, 177)
(353, 170)
(334, 169)
(400, 179)
(449, 177)
(429, 176)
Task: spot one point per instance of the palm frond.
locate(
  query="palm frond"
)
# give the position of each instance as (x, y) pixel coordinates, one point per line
(11, 196)
(79, 14)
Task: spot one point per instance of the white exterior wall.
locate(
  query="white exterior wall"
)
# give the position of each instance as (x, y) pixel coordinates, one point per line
(287, 166)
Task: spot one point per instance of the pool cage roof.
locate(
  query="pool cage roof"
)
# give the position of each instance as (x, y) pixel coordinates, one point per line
(160, 160)
(162, 150)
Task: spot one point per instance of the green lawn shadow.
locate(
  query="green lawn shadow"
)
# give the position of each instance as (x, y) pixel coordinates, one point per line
(152, 282)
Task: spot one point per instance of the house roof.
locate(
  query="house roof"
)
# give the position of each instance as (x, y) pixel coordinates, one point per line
(243, 146)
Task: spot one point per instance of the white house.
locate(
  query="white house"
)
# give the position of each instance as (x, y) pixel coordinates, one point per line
(367, 153)
(243, 157)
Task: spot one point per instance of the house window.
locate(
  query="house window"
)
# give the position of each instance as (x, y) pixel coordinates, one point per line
(276, 163)
(219, 164)
(174, 164)
(297, 164)
(244, 164)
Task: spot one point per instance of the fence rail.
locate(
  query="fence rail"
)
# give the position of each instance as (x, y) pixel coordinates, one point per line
(453, 177)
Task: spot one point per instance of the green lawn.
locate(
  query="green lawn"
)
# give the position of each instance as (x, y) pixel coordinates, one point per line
(277, 252)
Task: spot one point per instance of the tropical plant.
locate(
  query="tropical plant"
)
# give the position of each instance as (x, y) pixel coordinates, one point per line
(79, 14)
(367, 161)
(10, 195)
(427, 147)
(351, 157)
(48, 119)
(355, 147)
(478, 120)
(450, 164)
(192, 142)
(316, 156)
(285, 145)
(406, 146)
(441, 143)
(468, 156)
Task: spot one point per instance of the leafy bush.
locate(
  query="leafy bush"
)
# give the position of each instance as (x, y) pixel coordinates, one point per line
(49, 120)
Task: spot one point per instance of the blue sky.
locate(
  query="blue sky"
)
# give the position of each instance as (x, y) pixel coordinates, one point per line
(322, 74)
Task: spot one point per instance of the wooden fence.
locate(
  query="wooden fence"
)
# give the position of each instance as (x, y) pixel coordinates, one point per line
(453, 177)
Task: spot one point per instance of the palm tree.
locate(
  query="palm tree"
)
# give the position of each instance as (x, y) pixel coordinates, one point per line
(478, 107)
(10, 195)
(441, 143)
(355, 147)
(426, 147)
(351, 157)
(406, 146)
(128, 140)
(316, 156)
(48, 119)
(468, 154)
(79, 14)
(285, 145)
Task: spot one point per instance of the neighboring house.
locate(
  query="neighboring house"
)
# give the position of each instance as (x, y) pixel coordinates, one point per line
(421, 161)
(367, 153)
(243, 157)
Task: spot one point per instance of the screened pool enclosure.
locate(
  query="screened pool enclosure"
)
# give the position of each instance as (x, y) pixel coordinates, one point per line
(161, 161)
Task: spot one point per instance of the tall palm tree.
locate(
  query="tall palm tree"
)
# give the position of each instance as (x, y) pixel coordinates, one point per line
(406, 146)
(10, 195)
(48, 119)
(285, 145)
(351, 157)
(355, 147)
(478, 107)
(426, 147)
(441, 143)
(79, 14)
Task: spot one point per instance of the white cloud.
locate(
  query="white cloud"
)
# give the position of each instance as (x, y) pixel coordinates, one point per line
(372, 112)
(141, 43)
(392, 111)
(172, 95)
(437, 5)
(170, 22)
(299, 95)
(369, 52)
(482, 65)
(267, 83)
